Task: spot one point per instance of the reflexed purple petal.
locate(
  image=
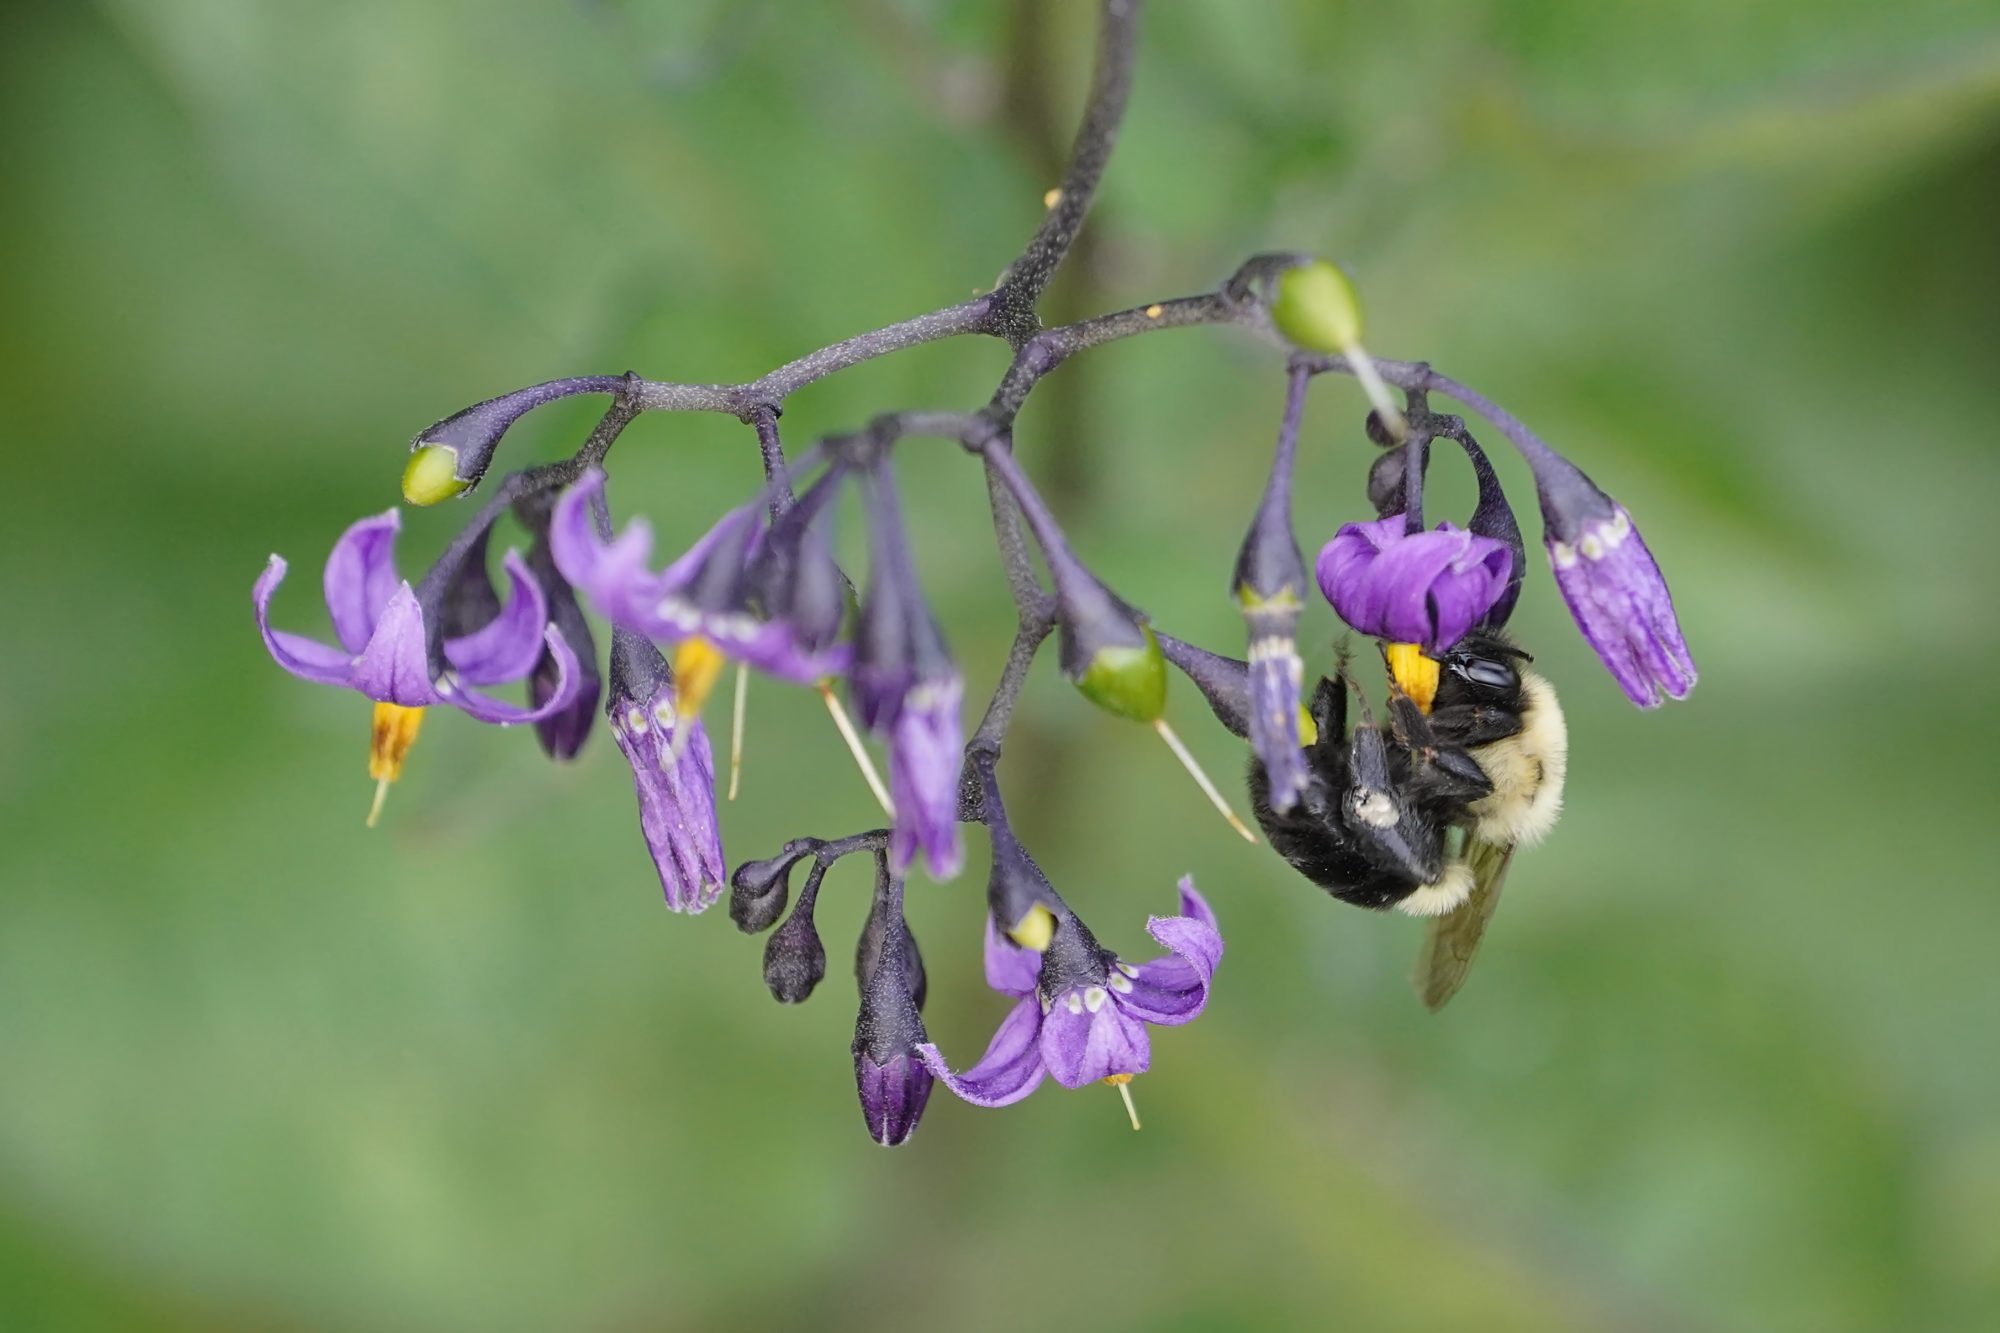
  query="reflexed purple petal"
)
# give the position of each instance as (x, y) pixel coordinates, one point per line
(508, 646)
(612, 575)
(1010, 969)
(308, 659)
(926, 751)
(1011, 1068)
(769, 646)
(1087, 1037)
(395, 666)
(1621, 603)
(676, 804)
(485, 708)
(1174, 989)
(1195, 906)
(361, 579)
(892, 1096)
(1427, 588)
(1275, 675)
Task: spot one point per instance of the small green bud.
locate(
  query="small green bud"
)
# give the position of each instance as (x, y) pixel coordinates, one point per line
(1317, 308)
(1129, 680)
(431, 476)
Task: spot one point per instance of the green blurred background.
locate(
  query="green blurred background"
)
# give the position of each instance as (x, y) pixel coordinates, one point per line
(1729, 1059)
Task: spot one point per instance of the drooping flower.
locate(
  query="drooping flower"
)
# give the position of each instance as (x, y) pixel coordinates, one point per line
(1082, 1013)
(889, 1070)
(700, 601)
(562, 733)
(1270, 586)
(391, 642)
(1612, 583)
(1426, 588)
(675, 782)
(905, 684)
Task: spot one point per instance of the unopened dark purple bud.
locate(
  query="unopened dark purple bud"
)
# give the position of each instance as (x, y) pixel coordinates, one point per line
(759, 890)
(875, 932)
(1385, 481)
(892, 1082)
(794, 958)
(468, 438)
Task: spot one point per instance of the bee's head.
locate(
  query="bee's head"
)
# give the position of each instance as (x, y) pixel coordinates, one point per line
(1481, 669)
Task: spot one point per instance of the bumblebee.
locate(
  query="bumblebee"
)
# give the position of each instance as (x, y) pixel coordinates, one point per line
(1424, 814)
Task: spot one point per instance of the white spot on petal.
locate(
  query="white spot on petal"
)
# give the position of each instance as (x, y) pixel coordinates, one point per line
(1095, 998)
(1073, 1002)
(1121, 984)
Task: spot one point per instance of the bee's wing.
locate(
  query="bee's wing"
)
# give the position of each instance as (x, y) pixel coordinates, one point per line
(1454, 937)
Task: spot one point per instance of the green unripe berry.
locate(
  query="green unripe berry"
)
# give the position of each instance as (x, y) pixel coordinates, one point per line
(1128, 680)
(1316, 307)
(431, 475)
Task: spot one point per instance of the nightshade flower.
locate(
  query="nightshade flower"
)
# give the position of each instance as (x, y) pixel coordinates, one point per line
(1270, 584)
(1082, 1012)
(904, 683)
(1612, 583)
(675, 782)
(394, 649)
(1426, 588)
(563, 732)
(700, 602)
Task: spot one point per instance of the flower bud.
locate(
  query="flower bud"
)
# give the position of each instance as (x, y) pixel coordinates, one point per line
(449, 457)
(1316, 307)
(759, 890)
(875, 934)
(889, 1075)
(794, 959)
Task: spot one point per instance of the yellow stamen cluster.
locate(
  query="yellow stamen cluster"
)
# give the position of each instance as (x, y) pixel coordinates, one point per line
(394, 732)
(697, 666)
(1415, 674)
(1035, 929)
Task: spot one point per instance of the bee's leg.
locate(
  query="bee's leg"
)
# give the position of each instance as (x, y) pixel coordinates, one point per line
(1329, 714)
(1468, 725)
(1439, 771)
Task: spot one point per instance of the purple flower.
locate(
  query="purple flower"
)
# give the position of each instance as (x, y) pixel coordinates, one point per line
(391, 646)
(1612, 584)
(702, 595)
(904, 684)
(1269, 584)
(1426, 588)
(1276, 674)
(926, 748)
(675, 783)
(1082, 1013)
